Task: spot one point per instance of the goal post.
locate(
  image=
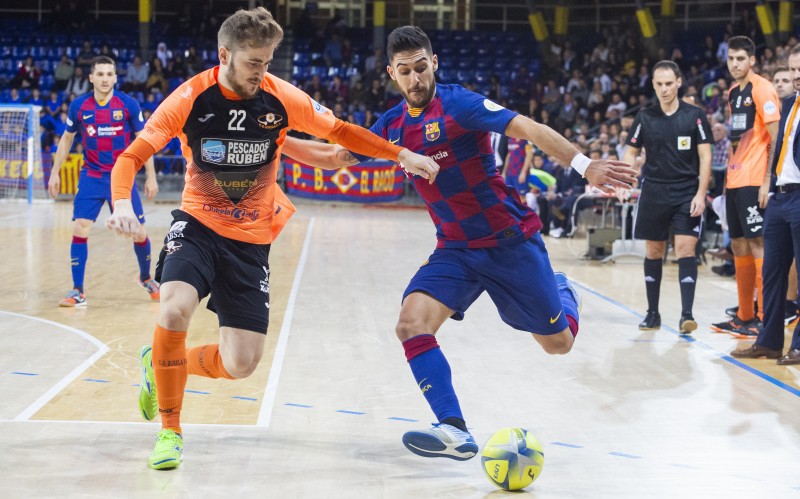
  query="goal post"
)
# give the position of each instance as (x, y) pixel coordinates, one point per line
(21, 170)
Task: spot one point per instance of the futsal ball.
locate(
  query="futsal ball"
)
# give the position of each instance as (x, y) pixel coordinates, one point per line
(512, 458)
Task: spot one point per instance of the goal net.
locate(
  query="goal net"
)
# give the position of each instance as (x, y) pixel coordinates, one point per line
(21, 172)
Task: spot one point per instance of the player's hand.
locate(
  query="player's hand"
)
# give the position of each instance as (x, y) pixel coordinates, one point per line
(417, 164)
(763, 195)
(150, 188)
(697, 206)
(123, 221)
(606, 175)
(54, 185)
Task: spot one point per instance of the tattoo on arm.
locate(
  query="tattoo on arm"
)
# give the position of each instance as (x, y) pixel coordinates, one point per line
(346, 157)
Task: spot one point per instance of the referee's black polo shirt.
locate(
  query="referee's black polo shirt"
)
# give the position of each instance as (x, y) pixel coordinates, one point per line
(670, 142)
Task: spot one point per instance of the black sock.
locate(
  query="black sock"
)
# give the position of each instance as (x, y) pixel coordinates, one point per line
(687, 275)
(652, 281)
(457, 422)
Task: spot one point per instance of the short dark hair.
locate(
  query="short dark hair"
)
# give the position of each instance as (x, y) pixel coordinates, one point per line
(742, 43)
(102, 59)
(667, 64)
(795, 50)
(407, 38)
(782, 69)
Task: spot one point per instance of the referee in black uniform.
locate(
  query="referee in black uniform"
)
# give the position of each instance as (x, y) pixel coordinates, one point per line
(677, 141)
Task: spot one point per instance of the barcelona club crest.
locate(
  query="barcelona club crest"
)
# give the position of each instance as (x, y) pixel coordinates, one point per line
(432, 131)
(117, 115)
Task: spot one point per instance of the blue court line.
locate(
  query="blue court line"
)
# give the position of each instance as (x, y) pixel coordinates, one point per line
(355, 413)
(299, 405)
(690, 339)
(395, 418)
(197, 392)
(244, 398)
(562, 444)
(24, 374)
(97, 380)
(622, 454)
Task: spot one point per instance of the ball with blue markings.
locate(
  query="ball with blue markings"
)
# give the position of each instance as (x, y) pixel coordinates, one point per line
(512, 458)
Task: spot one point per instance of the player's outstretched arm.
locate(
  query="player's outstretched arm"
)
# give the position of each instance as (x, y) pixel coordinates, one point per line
(603, 174)
(334, 156)
(319, 154)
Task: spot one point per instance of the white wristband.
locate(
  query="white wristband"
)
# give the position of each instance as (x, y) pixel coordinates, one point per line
(580, 162)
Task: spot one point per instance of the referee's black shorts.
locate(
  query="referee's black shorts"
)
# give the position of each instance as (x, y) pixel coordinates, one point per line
(662, 206)
(235, 273)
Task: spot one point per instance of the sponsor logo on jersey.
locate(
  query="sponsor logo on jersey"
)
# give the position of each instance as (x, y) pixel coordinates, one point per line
(270, 121)
(319, 107)
(117, 115)
(91, 131)
(235, 152)
(439, 155)
(232, 213)
(748, 101)
(187, 92)
(432, 131)
(492, 106)
(69, 122)
(770, 107)
(205, 118)
(739, 121)
(700, 129)
(684, 143)
(108, 130)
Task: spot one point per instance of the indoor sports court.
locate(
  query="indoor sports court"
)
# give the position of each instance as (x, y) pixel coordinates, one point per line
(625, 414)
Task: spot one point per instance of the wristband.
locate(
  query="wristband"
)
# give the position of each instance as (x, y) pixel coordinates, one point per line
(580, 163)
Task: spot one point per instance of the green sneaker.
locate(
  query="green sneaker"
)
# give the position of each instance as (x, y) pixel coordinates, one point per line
(148, 401)
(168, 453)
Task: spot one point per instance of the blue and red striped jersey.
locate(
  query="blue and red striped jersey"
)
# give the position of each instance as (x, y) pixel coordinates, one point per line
(106, 130)
(470, 203)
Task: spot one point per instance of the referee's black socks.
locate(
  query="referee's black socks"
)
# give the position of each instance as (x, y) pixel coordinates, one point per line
(652, 281)
(687, 275)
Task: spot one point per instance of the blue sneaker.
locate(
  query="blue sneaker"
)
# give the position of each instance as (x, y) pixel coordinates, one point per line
(563, 283)
(443, 440)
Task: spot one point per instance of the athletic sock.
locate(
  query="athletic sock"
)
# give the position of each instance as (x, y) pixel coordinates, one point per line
(169, 367)
(432, 374)
(687, 276)
(653, 269)
(745, 285)
(79, 253)
(142, 250)
(205, 361)
(759, 264)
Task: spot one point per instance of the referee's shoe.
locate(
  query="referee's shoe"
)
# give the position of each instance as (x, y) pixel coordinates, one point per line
(687, 324)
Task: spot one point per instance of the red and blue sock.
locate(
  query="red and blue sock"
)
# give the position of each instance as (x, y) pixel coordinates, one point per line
(142, 250)
(78, 253)
(432, 373)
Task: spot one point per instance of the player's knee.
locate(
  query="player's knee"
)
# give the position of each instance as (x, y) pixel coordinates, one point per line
(174, 318)
(408, 328)
(241, 364)
(557, 344)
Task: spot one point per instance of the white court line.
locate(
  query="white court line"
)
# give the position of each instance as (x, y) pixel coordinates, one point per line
(69, 378)
(267, 401)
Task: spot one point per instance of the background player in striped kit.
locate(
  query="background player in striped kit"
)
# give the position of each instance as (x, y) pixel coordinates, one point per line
(488, 239)
(107, 121)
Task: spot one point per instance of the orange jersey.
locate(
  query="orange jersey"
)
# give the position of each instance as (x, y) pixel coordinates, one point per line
(232, 148)
(752, 108)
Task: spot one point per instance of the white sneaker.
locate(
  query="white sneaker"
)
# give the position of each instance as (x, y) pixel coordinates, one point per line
(563, 283)
(443, 440)
(556, 232)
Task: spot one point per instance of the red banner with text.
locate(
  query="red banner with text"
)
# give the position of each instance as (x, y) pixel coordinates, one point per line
(368, 182)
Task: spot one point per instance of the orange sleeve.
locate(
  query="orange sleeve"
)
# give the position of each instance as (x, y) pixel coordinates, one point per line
(128, 163)
(307, 115)
(766, 100)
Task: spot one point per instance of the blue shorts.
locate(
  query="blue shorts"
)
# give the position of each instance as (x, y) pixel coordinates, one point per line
(93, 192)
(518, 278)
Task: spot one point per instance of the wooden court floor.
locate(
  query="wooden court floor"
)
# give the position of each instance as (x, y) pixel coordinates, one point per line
(625, 414)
